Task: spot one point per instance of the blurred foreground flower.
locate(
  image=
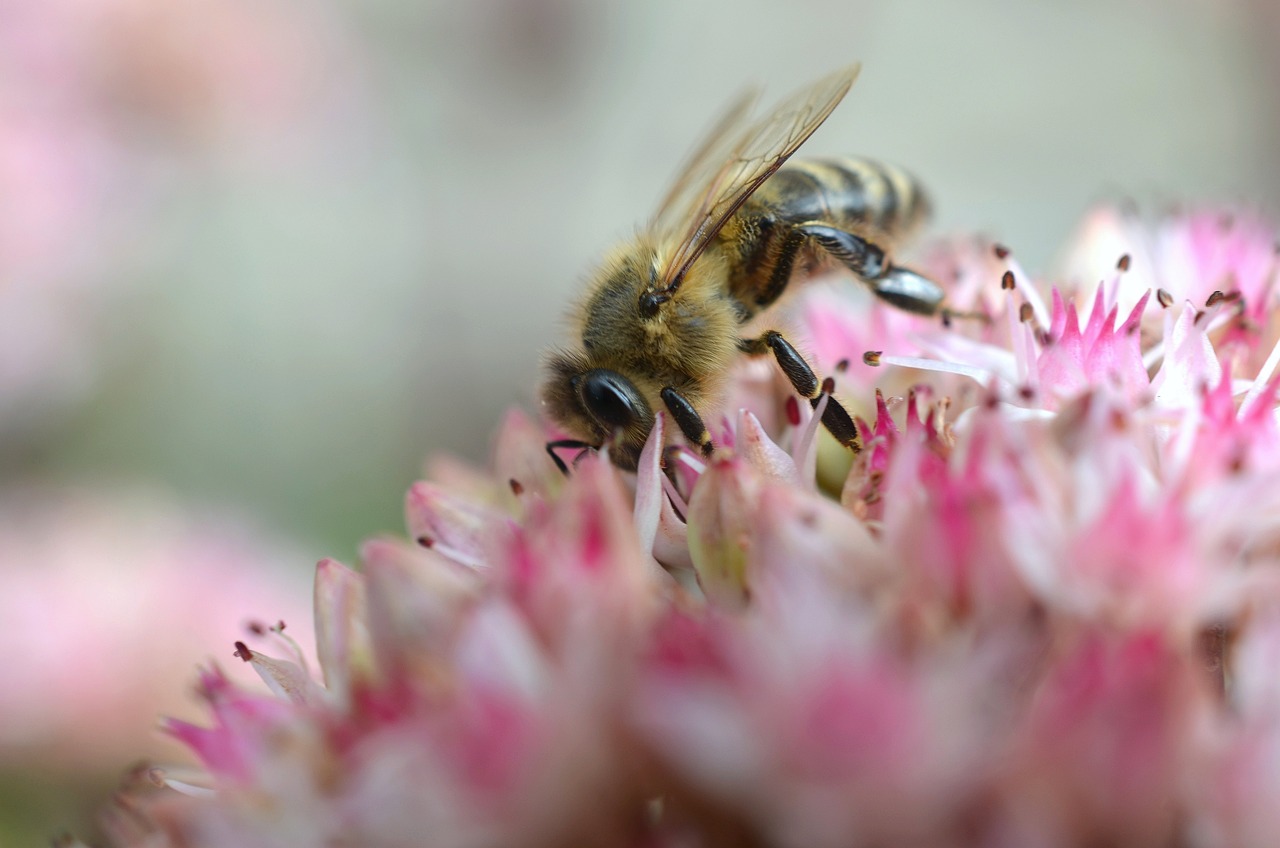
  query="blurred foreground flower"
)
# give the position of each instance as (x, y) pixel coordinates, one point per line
(1044, 610)
(103, 103)
(108, 596)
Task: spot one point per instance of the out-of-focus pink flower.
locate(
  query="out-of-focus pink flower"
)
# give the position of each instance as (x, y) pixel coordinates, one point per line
(107, 596)
(102, 104)
(1041, 612)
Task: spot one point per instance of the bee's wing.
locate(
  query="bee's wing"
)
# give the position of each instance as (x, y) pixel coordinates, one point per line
(733, 162)
(705, 163)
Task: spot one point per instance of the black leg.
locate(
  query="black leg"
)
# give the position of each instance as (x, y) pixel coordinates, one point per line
(688, 419)
(552, 447)
(835, 417)
(840, 424)
(893, 284)
(781, 275)
(789, 359)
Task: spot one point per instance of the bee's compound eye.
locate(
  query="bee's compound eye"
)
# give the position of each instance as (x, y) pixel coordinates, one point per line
(609, 397)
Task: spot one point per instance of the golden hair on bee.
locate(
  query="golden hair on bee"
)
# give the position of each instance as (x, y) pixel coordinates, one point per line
(661, 320)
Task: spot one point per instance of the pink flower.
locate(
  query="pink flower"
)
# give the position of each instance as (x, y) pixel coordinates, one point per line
(1040, 612)
(108, 596)
(102, 104)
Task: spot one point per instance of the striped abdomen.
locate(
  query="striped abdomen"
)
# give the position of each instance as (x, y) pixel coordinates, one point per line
(850, 193)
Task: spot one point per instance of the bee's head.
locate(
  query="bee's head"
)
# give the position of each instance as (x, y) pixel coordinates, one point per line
(598, 405)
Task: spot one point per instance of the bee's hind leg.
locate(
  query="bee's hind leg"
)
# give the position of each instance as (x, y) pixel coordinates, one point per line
(895, 285)
(835, 417)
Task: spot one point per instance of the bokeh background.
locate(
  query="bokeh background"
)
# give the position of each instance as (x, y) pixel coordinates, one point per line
(259, 258)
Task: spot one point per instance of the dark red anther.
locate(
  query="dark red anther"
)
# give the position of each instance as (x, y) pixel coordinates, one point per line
(426, 541)
(829, 386)
(1123, 264)
(1007, 282)
(1001, 251)
(517, 488)
(842, 366)
(793, 411)
(243, 652)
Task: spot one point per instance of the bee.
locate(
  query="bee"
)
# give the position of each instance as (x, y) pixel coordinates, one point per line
(664, 316)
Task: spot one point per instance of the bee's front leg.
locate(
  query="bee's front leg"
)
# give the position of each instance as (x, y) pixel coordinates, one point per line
(688, 419)
(891, 283)
(835, 417)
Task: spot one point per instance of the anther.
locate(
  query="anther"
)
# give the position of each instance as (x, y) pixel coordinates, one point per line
(1214, 299)
(517, 488)
(1007, 282)
(872, 358)
(842, 366)
(1164, 298)
(257, 628)
(426, 541)
(1027, 393)
(829, 386)
(1026, 313)
(1001, 251)
(1123, 264)
(793, 411)
(243, 652)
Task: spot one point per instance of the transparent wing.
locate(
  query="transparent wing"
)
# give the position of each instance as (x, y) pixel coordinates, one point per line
(706, 162)
(733, 163)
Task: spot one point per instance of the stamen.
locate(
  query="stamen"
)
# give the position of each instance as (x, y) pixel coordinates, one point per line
(1026, 313)
(805, 452)
(695, 464)
(981, 375)
(517, 488)
(426, 541)
(1215, 298)
(161, 777)
(243, 652)
(1007, 282)
(1164, 298)
(1000, 251)
(872, 358)
(292, 646)
(842, 366)
(1260, 382)
(1123, 264)
(678, 502)
(1028, 291)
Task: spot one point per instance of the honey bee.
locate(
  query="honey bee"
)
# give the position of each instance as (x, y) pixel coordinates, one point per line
(664, 316)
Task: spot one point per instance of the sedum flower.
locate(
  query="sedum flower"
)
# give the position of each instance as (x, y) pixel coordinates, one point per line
(1038, 608)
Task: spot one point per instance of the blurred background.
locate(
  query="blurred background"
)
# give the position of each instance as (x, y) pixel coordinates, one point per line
(259, 258)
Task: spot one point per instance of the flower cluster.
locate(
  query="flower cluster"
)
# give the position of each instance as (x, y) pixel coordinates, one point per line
(103, 103)
(1040, 607)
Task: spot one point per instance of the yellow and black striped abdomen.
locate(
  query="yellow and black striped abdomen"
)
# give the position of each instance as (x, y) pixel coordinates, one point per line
(851, 193)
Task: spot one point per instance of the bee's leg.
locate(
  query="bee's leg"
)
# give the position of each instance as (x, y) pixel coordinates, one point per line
(835, 418)
(688, 419)
(552, 447)
(891, 283)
